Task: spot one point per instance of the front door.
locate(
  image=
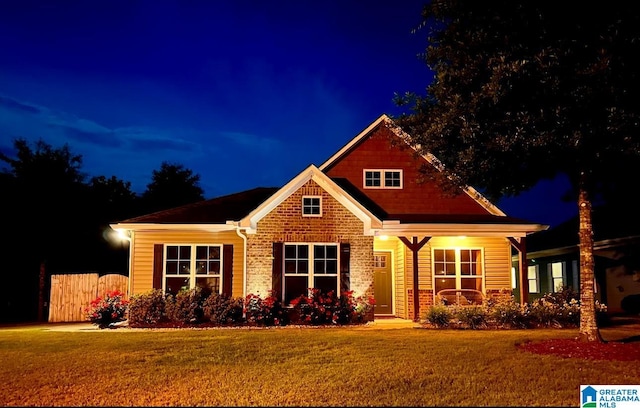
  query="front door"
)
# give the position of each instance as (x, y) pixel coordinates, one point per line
(382, 283)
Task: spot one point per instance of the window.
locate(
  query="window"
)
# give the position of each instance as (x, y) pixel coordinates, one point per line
(188, 266)
(372, 178)
(311, 206)
(557, 276)
(382, 178)
(309, 266)
(533, 277)
(457, 269)
(392, 179)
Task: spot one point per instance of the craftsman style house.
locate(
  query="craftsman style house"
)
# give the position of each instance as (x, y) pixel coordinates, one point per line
(360, 221)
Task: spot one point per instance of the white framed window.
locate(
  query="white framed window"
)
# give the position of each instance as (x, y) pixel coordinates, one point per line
(381, 178)
(534, 278)
(458, 268)
(189, 265)
(309, 265)
(558, 276)
(312, 206)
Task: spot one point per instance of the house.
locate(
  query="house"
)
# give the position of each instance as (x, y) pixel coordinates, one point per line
(360, 221)
(553, 258)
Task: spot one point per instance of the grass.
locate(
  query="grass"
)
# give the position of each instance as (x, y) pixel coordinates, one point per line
(363, 366)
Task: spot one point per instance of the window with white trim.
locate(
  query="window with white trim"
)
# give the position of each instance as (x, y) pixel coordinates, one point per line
(189, 265)
(557, 276)
(457, 268)
(533, 278)
(312, 206)
(374, 178)
(310, 266)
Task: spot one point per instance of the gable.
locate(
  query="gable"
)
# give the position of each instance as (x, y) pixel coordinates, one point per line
(323, 184)
(381, 147)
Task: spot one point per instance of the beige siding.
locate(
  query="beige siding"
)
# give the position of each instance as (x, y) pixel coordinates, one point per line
(142, 263)
(401, 280)
(497, 259)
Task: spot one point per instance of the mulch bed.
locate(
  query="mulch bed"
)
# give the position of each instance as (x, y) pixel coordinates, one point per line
(573, 348)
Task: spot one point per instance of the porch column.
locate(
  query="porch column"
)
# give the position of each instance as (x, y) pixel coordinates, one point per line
(520, 245)
(415, 246)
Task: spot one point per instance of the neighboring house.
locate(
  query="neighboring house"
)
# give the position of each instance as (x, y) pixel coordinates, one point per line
(553, 258)
(360, 221)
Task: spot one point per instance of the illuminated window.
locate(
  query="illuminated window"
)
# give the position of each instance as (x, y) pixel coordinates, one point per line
(188, 266)
(458, 268)
(557, 276)
(382, 178)
(311, 206)
(533, 277)
(310, 266)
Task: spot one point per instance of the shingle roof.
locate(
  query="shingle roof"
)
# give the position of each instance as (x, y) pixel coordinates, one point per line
(214, 211)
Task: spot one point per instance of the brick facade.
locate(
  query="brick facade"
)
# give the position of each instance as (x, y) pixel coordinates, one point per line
(285, 223)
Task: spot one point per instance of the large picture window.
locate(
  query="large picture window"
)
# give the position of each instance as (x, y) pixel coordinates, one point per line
(457, 268)
(188, 266)
(309, 266)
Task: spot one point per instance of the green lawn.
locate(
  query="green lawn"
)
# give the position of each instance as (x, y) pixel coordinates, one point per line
(357, 366)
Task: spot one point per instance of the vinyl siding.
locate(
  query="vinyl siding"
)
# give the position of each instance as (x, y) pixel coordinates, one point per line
(141, 275)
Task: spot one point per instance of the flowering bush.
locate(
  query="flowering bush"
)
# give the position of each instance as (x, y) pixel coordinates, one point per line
(264, 312)
(320, 308)
(104, 312)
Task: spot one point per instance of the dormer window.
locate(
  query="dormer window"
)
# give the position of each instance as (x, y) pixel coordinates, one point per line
(312, 206)
(382, 178)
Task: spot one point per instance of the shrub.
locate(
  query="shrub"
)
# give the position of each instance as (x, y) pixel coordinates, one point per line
(264, 312)
(473, 317)
(319, 308)
(147, 309)
(506, 312)
(438, 315)
(186, 305)
(104, 312)
(223, 310)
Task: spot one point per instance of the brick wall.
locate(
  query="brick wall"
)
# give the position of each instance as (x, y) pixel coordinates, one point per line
(425, 299)
(285, 223)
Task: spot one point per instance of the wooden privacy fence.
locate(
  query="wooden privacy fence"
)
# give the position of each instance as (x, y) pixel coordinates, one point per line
(71, 294)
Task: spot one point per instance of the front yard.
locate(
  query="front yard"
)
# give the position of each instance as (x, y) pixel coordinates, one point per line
(342, 366)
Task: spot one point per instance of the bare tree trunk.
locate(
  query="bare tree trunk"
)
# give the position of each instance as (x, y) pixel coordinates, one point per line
(41, 286)
(589, 331)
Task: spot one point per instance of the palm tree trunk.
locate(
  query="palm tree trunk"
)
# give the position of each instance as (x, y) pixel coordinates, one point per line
(589, 331)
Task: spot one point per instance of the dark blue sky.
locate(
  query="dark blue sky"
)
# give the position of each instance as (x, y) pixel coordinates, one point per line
(244, 93)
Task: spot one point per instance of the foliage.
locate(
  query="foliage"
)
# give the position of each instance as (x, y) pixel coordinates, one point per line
(559, 309)
(171, 186)
(506, 312)
(147, 309)
(186, 306)
(438, 315)
(523, 92)
(472, 316)
(107, 310)
(223, 310)
(264, 312)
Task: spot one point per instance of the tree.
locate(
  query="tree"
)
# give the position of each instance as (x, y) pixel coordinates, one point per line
(524, 91)
(171, 186)
(44, 195)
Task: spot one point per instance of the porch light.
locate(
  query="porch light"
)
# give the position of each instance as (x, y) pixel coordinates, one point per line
(383, 237)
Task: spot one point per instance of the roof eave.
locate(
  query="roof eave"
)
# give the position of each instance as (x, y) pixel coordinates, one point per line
(456, 229)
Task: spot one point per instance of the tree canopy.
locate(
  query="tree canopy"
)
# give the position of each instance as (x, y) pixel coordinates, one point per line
(172, 185)
(59, 220)
(523, 91)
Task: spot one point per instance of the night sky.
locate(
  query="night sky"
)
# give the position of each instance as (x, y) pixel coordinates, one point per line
(244, 93)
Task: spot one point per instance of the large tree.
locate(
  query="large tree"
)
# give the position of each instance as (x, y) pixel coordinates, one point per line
(172, 185)
(526, 90)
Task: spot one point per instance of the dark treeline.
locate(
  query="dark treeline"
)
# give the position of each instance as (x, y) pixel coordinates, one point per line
(58, 218)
